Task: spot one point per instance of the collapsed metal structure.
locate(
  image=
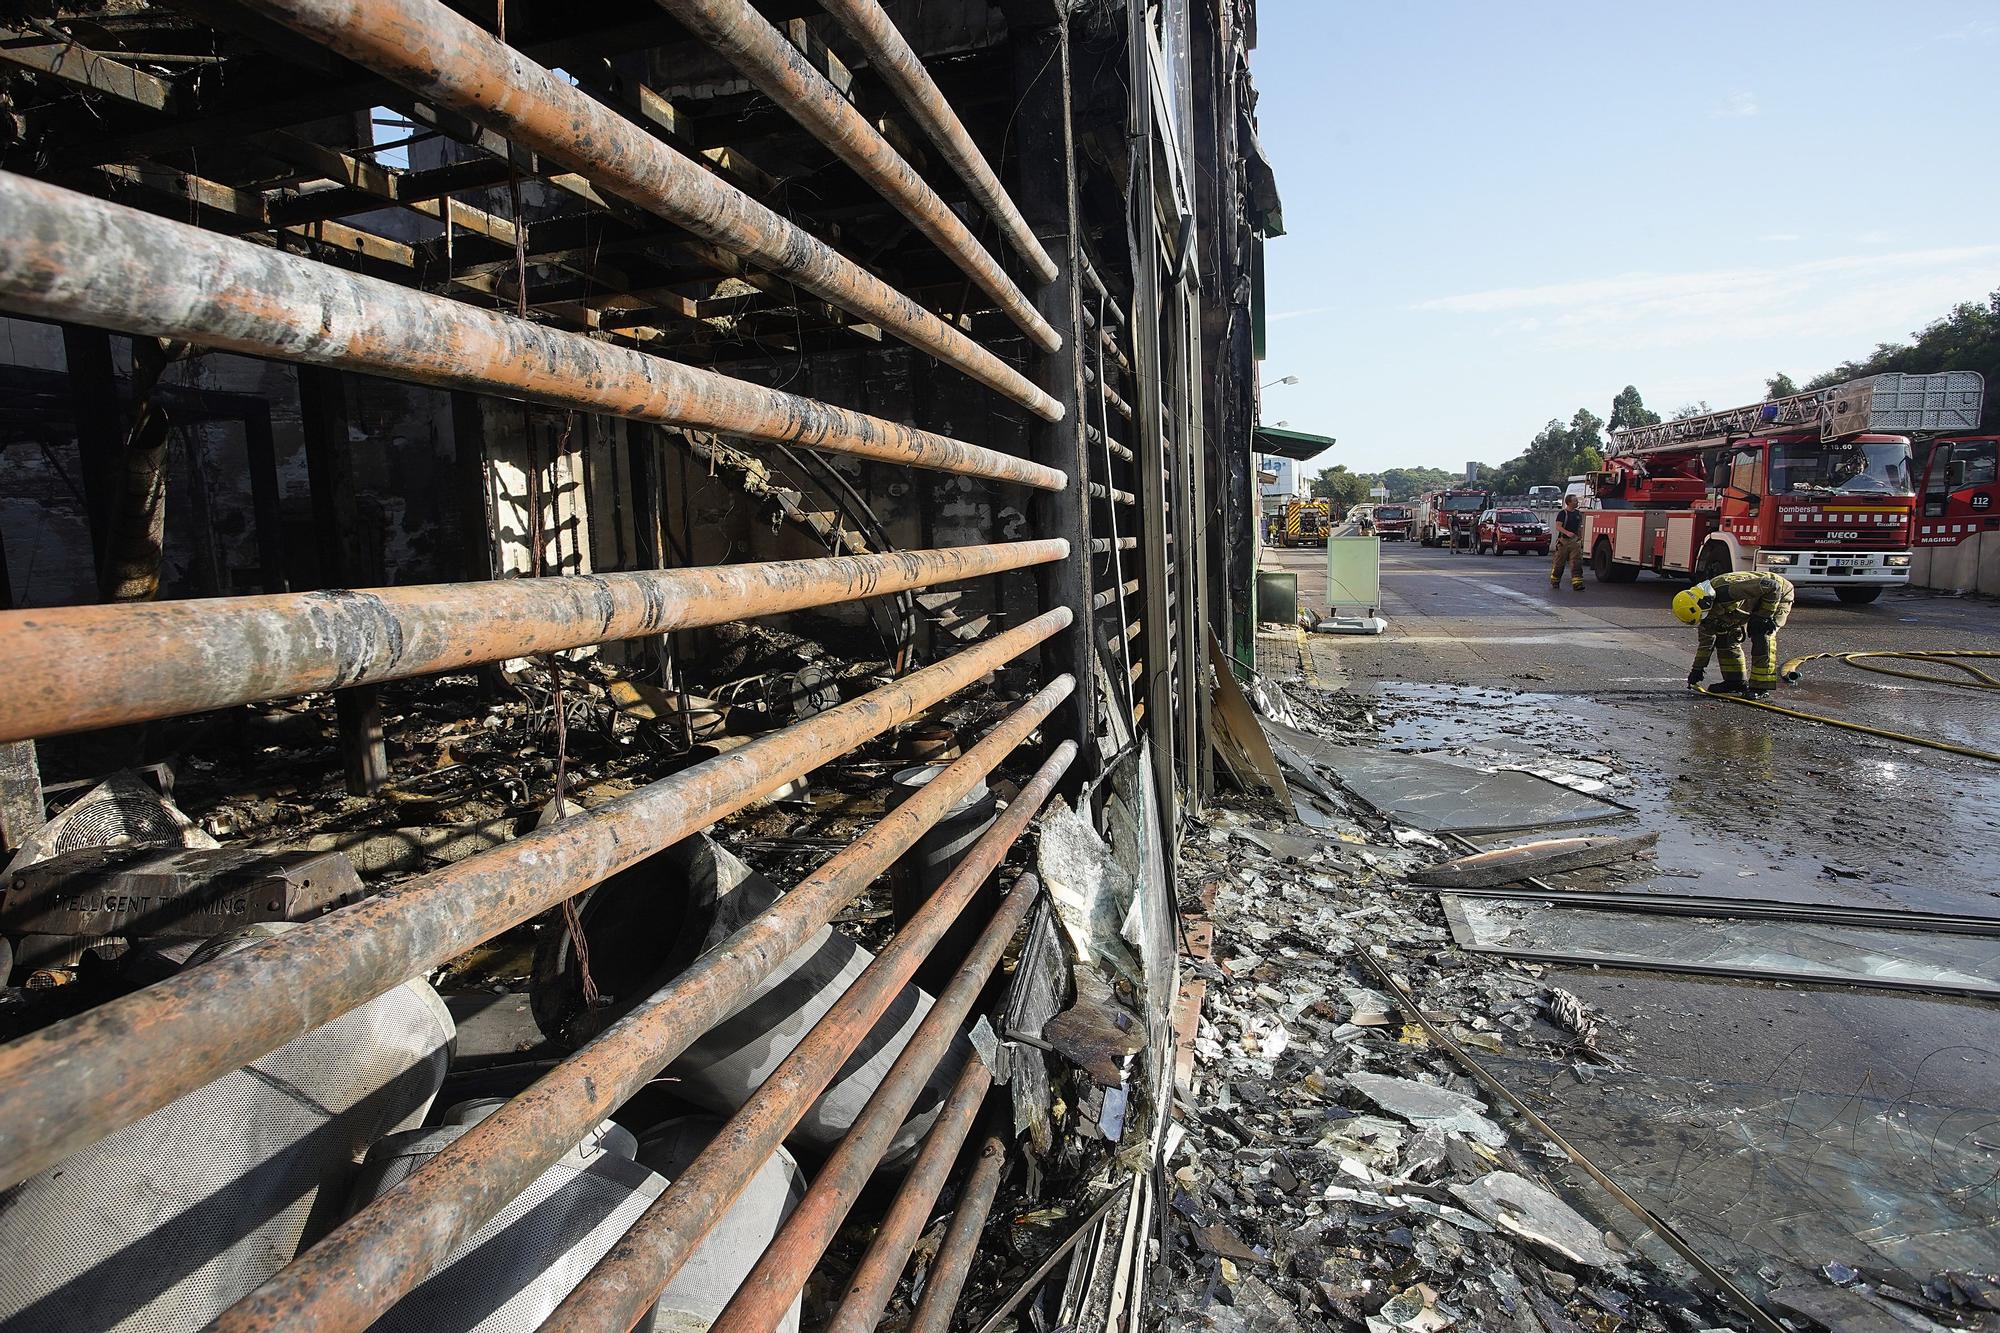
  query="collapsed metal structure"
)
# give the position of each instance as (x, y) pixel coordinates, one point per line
(649, 219)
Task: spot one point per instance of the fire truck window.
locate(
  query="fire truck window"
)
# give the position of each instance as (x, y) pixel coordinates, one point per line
(1870, 467)
(1977, 465)
(1743, 473)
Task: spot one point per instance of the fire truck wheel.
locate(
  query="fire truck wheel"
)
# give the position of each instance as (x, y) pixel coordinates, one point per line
(1715, 561)
(1857, 596)
(1607, 570)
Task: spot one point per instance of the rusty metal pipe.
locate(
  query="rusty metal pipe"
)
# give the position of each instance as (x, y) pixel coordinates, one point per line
(352, 1277)
(893, 60)
(874, 1279)
(220, 651)
(73, 1082)
(83, 260)
(449, 61)
(781, 1271)
(961, 1239)
(748, 41)
(631, 1275)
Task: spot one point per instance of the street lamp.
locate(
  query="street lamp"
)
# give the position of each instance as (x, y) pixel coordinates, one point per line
(1289, 379)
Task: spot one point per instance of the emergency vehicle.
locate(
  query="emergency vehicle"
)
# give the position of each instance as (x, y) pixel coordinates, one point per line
(1960, 489)
(1817, 487)
(1307, 523)
(1393, 522)
(1448, 516)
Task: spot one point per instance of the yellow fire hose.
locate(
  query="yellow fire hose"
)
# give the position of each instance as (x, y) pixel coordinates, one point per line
(1944, 657)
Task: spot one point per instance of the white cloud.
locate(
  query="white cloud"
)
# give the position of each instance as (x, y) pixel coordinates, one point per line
(1978, 30)
(1851, 295)
(1780, 236)
(1736, 106)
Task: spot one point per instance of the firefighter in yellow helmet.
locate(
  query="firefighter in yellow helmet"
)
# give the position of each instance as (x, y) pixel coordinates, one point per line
(1728, 609)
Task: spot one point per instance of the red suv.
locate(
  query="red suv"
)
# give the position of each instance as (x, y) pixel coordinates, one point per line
(1504, 530)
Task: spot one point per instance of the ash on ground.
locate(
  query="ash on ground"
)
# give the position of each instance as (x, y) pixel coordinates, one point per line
(1339, 1169)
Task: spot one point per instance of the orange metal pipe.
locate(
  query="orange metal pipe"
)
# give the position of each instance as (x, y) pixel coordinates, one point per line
(351, 1278)
(781, 1271)
(875, 1277)
(633, 1273)
(82, 260)
(903, 70)
(449, 61)
(220, 651)
(749, 42)
(961, 1239)
(73, 1082)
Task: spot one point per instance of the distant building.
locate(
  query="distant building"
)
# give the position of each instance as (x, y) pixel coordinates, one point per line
(1278, 477)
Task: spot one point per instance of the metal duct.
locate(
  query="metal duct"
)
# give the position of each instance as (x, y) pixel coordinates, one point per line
(160, 1226)
(646, 924)
(512, 1272)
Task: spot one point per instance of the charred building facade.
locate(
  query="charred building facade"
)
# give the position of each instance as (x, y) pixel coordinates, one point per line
(609, 622)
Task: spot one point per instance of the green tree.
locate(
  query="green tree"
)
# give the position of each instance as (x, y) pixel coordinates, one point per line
(1966, 338)
(1341, 486)
(1407, 483)
(1628, 409)
(1686, 410)
(1779, 386)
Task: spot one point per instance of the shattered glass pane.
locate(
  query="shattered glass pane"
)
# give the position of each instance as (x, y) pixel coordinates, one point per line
(1806, 950)
(1437, 797)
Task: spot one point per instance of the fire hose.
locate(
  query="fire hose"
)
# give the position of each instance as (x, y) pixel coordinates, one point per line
(1868, 661)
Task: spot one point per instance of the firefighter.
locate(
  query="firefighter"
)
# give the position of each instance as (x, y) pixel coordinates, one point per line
(1728, 609)
(1569, 545)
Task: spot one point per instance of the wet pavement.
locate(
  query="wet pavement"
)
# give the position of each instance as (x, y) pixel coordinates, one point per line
(1781, 1127)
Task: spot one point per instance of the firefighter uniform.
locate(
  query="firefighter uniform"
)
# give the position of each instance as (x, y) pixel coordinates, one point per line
(1729, 610)
(1569, 547)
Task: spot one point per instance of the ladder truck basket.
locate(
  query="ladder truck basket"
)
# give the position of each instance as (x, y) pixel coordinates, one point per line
(1948, 402)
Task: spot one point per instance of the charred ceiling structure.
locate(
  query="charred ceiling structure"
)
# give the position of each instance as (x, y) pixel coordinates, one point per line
(522, 526)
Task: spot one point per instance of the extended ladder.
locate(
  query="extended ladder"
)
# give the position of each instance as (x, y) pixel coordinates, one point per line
(1944, 403)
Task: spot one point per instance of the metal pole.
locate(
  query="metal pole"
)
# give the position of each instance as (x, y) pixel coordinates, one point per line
(875, 1277)
(631, 1275)
(897, 65)
(348, 1280)
(71, 257)
(961, 1239)
(450, 62)
(781, 1271)
(73, 1082)
(749, 42)
(216, 652)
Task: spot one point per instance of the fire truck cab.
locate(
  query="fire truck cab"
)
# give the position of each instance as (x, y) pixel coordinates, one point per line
(1960, 489)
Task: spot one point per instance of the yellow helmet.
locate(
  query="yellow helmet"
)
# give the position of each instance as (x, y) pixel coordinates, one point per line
(1690, 603)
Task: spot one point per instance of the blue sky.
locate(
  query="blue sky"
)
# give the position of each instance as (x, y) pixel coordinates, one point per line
(1501, 211)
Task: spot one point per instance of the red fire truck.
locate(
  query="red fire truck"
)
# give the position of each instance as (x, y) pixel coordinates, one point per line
(1817, 487)
(1393, 522)
(1447, 517)
(1960, 490)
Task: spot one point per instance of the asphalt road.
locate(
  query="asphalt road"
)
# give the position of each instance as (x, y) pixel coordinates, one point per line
(1782, 1126)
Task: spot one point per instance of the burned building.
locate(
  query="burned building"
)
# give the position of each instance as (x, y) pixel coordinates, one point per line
(608, 634)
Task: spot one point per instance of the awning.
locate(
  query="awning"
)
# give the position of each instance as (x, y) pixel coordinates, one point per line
(1295, 444)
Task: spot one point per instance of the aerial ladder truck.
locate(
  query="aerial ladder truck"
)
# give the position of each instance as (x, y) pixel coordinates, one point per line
(1817, 486)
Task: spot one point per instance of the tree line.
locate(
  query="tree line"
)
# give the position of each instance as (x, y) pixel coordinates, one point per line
(1967, 338)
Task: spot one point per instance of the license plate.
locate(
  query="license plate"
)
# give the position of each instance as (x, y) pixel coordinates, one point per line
(1839, 561)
